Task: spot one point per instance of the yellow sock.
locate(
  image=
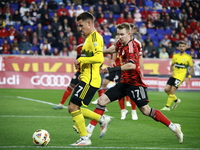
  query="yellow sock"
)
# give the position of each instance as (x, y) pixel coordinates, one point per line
(79, 121)
(170, 99)
(90, 114)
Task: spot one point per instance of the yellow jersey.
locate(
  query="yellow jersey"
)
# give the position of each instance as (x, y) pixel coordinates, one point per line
(181, 64)
(91, 59)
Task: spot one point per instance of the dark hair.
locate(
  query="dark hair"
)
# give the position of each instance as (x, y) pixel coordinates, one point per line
(85, 16)
(132, 26)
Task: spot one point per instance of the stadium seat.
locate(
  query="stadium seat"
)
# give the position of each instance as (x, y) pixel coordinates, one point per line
(116, 16)
(168, 31)
(160, 31)
(139, 24)
(14, 6)
(28, 26)
(1, 41)
(106, 39)
(35, 48)
(160, 36)
(151, 32)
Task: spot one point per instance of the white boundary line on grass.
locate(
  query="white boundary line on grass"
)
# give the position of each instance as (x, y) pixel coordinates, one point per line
(39, 101)
(86, 147)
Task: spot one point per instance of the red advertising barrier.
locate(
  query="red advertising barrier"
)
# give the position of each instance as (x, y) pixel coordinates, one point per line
(34, 72)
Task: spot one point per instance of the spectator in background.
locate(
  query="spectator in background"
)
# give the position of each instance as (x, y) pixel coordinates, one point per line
(150, 47)
(174, 17)
(165, 41)
(193, 54)
(148, 39)
(62, 9)
(64, 51)
(5, 46)
(42, 3)
(12, 33)
(154, 54)
(15, 51)
(158, 22)
(130, 18)
(115, 7)
(190, 13)
(168, 23)
(145, 13)
(34, 39)
(170, 49)
(121, 19)
(27, 19)
(56, 52)
(23, 9)
(40, 31)
(55, 24)
(143, 29)
(101, 18)
(154, 13)
(14, 44)
(16, 18)
(163, 54)
(5, 51)
(137, 15)
(52, 5)
(182, 14)
(51, 39)
(72, 10)
(81, 39)
(3, 32)
(44, 10)
(25, 46)
(149, 4)
(79, 10)
(163, 13)
(45, 48)
(106, 7)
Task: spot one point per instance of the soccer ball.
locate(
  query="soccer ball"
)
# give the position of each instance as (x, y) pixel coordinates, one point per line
(41, 137)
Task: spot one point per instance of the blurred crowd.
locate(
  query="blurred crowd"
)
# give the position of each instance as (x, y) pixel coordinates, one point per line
(48, 27)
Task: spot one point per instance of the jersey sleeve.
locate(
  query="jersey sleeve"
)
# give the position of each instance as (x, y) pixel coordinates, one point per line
(97, 49)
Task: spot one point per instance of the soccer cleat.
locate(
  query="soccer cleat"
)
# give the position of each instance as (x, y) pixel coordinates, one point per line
(178, 133)
(124, 112)
(95, 101)
(176, 103)
(82, 142)
(128, 104)
(77, 131)
(134, 115)
(104, 125)
(166, 108)
(59, 106)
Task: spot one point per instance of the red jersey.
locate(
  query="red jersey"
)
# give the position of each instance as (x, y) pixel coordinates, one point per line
(131, 53)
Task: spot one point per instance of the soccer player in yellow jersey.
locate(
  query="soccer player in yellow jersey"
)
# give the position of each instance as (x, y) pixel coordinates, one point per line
(90, 80)
(180, 63)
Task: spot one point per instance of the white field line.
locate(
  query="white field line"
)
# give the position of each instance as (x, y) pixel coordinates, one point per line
(39, 101)
(17, 116)
(86, 147)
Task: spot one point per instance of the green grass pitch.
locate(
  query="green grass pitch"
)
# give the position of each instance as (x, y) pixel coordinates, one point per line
(22, 111)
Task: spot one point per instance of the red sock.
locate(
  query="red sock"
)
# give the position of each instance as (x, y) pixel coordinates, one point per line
(101, 91)
(127, 98)
(121, 103)
(98, 111)
(158, 116)
(66, 94)
(133, 105)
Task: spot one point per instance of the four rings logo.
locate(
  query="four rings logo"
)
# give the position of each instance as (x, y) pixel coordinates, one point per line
(51, 80)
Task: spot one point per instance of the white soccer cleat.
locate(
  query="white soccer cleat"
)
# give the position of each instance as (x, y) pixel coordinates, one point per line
(95, 102)
(77, 131)
(124, 112)
(134, 115)
(82, 142)
(178, 133)
(166, 108)
(128, 104)
(59, 106)
(176, 103)
(104, 125)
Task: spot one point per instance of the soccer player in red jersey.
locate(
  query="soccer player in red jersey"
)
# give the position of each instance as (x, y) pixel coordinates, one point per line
(73, 83)
(131, 84)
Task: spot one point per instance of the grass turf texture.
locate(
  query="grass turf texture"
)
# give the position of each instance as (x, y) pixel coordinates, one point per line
(19, 118)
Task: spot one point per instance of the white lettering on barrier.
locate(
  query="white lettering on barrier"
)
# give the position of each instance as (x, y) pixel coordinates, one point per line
(51, 80)
(196, 83)
(13, 80)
